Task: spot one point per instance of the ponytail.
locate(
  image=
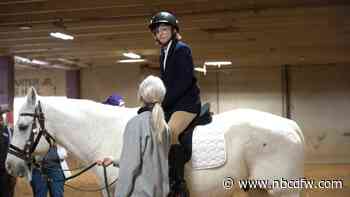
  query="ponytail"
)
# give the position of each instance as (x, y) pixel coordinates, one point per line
(158, 121)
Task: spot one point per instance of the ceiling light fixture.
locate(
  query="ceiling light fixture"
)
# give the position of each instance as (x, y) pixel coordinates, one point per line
(25, 27)
(132, 55)
(218, 63)
(131, 60)
(24, 60)
(61, 36)
(202, 70)
(39, 62)
(73, 62)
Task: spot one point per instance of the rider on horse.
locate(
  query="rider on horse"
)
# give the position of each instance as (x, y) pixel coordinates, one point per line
(182, 102)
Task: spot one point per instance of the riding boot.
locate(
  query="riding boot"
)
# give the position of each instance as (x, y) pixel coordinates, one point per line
(176, 171)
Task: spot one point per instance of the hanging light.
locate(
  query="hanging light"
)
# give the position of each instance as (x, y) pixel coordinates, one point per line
(202, 70)
(132, 55)
(62, 36)
(131, 60)
(218, 63)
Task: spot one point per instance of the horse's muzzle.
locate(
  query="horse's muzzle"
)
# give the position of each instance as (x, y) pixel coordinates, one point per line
(15, 166)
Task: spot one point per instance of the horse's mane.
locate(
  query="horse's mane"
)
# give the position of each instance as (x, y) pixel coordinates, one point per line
(75, 106)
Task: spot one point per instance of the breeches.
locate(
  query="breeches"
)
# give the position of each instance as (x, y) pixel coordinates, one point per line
(178, 122)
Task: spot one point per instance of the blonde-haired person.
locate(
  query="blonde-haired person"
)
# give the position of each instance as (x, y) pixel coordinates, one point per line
(144, 159)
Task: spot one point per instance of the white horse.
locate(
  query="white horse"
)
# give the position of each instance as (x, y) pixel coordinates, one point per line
(259, 145)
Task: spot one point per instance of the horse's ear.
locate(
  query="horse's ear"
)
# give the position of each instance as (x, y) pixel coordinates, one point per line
(32, 96)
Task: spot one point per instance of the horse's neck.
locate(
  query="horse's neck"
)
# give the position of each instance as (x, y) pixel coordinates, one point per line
(87, 129)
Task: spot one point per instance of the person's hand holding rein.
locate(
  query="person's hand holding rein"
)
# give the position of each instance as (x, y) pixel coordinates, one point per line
(105, 161)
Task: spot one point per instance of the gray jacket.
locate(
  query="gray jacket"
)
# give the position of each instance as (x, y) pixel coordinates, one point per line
(144, 161)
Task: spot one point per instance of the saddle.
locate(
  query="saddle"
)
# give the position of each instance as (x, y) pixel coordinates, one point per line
(204, 117)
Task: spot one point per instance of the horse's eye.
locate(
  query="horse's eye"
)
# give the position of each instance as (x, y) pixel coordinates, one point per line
(22, 127)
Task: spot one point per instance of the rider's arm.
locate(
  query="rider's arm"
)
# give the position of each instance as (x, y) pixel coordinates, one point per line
(180, 81)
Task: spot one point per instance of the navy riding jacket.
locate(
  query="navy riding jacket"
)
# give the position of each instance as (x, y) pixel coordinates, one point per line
(182, 92)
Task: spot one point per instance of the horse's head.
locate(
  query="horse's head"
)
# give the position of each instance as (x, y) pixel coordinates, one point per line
(25, 133)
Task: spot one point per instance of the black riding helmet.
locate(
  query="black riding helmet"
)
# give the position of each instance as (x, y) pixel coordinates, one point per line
(163, 17)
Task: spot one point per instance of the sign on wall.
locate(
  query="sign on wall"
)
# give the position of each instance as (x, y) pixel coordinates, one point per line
(44, 86)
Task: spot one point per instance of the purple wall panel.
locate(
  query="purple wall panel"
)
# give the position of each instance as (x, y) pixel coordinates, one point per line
(73, 83)
(6, 80)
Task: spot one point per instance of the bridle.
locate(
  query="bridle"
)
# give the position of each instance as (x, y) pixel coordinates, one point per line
(26, 153)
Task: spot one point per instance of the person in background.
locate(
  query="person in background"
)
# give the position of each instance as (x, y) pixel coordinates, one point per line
(144, 159)
(7, 182)
(48, 178)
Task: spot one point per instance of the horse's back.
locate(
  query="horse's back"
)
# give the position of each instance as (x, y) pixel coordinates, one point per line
(255, 119)
(261, 134)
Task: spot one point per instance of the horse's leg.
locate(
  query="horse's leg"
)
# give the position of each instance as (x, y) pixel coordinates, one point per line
(277, 160)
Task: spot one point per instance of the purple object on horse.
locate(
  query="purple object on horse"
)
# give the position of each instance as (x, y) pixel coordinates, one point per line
(115, 100)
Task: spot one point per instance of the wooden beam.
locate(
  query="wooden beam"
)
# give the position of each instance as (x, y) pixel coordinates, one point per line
(81, 11)
(15, 2)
